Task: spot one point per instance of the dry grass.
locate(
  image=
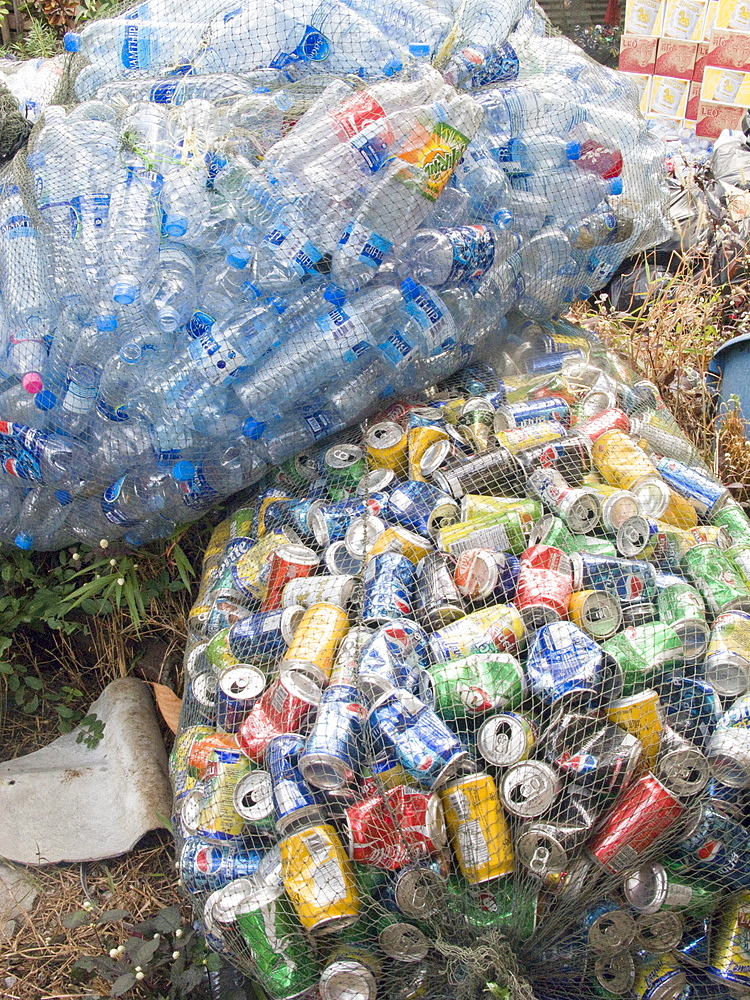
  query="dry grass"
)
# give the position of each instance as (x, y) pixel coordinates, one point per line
(40, 956)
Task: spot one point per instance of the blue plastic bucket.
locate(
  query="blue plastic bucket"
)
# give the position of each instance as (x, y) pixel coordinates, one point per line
(730, 367)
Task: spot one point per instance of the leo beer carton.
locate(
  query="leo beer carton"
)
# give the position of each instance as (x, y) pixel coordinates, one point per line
(638, 54)
(675, 58)
(713, 118)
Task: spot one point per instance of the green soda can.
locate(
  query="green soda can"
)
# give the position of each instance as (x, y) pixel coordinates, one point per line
(242, 523)
(590, 543)
(552, 530)
(644, 652)
(344, 465)
(740, 558)
(504, 531)
(736, 522)
(682, 607)
(298, 472)
(219, 653)
(477, 683)
(285, 964)
(653, 887)
(714, 576)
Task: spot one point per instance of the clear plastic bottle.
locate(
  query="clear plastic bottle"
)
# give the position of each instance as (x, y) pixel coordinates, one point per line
(169, 294)
(460, 255)
(42, 515)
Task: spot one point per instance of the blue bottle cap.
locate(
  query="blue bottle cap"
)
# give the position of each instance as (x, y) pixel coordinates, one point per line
(183, 471)
(253, 429)
(335, 295)
(45, 399)
(175, 225)
(419, 49)
(124, 292)
(408, 287)
(104, 323)
(615, 185)
(72, 41)
(573, 150)
(23, 541)
(237, 257)
(503, 218)
(392, 66)
(64, 497)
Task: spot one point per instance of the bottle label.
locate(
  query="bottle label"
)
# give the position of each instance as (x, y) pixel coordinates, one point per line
(312, 47)
(17, 226)
(163, 92)
(197, 493)
(109, 506)
(199, 323)
(357, 113)
(301, 254)
(148, 178)
(78, 398)
(319, 424)
(217, 359)
(348, 331)
(109, 412)
(90, 212)
(431, 165)
(21, 449)
(473, 253)
(398, 347)
(365, 246)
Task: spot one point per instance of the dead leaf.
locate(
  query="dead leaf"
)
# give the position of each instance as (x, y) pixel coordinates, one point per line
(168, 703)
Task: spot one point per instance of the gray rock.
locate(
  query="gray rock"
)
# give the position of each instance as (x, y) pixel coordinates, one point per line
(17, 896)
(70, 802)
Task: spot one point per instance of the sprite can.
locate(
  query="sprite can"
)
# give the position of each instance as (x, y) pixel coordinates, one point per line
(682, 607)
(736, 522)
(644, 652)
(478, 683)
(716, 579)
(285, 964)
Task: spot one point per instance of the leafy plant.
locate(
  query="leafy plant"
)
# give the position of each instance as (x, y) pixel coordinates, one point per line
(160, 952)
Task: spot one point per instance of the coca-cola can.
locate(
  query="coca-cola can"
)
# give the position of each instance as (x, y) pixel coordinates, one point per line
(544, 585)
(287, 563)
(392, 829)
(282, 708)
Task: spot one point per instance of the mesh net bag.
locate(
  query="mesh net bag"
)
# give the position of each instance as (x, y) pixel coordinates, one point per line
(240, 229)
(465, 707)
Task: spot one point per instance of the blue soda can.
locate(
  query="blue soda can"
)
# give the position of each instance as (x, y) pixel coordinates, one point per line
(632, 580)
(477, 380)
(329, 522)
(396, 656)
(205, 865)
(421, 507)
(293, 799)
(265, 634)
(691, 707)
(424, 745)
(331, 756)
(704, 493)
(693, 949)
(531, 411)
(715, 845)
(424, 416)
(732, 802)
(563, 660)
(547, 364)
(293, 514)
(388, 583)
(224, 612)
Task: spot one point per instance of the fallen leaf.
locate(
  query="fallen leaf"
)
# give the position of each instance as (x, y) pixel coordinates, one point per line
(168, 703)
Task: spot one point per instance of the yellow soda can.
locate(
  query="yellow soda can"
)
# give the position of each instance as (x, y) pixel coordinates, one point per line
(312, 650)
(419, 440)
(387, 447)
(319, 879)
(406, 543)
(475, 505)
(250, 572)
(729, 956)
(641, 715)
(219, 538)
(542, 432)
(499, 627)
(619, 460)
(477, 828)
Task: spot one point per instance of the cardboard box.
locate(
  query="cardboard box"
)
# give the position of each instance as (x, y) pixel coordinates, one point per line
(714, 118)
(643, 82)
(638, 54)
(668, 97)
(700, 60)
(726, 86)
(710, 22)
(675, 58)
(684, 19)
(643, 17)
(734, 15)
(694, 99)
(729, 50)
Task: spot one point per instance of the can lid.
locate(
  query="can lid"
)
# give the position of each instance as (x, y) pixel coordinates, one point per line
(244, 682)
(443, 482)
(316, 522)
(403, 942)
(529, 788)
(596, 401)
(290, 619)
(601, 614)
(444, 513)
(230, 900)
(195, 659)
(652, 494)
(252, 796)
(376, 481)
(298, 677)
(727, 673)
(433, 457)
(584, 510)
(362, 534)
(633, 536)
(505, 739)
(340, 561)
(300, 554)
(324, 770)
(658, 932)
(618, 507)
(203, 688)
(386, 434)
(343, 456)
(616, 973)
(646, 889)
(684, 770)
(190, 808)
(576, 565)
(611, 931)
(347, 980)
(418, 892)
(539, 850)
(728, 755)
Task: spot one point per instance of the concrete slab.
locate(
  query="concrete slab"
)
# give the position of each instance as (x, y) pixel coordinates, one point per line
(17, 896)
(68, 802)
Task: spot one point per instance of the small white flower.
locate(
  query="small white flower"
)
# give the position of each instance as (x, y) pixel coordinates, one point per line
(175, 955)
(112, 562)
(157, 936)
(140, 975)
(113, 952)
(120, 581)
(121, 949)
(139, 968)
(76, 557)
(87, 905)
(179, 933)
(104, 544)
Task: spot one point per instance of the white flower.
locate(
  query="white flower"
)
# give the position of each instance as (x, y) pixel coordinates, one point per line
(104, 544)
(112, 562)
(113, 953)
(76, 557)
(179, 932)
(140, 975)
(120, 581)
(175, 955)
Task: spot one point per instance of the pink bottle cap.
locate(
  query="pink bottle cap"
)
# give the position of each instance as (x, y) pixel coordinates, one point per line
(32, 382)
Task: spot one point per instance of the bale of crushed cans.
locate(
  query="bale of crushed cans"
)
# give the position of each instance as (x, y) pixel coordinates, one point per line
(465, 706)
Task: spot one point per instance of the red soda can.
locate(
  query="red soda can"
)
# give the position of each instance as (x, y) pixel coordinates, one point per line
(545, 583)
(287, 563)
(395, 828)
(202, 749)
(646, 811)
(607, 420)
(282, 708)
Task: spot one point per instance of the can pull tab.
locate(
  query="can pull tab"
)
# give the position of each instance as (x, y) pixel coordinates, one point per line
(539, 859)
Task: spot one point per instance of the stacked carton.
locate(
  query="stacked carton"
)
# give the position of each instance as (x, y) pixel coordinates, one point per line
(690, 60)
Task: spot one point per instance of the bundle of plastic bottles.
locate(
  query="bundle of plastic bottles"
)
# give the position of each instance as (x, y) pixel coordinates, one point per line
(258, 223)
(466, 707)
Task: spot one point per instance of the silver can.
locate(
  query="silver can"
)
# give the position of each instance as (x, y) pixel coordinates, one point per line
(377, 481)
(403, 942)
(506, 739)
(728, 754)
(418, 892)
(231, 900)
(615, 973)
(340, 562)
(362, 534)
(438, 599)
(529, 788)
(611, 931)
(345, 979)
(659, 932)
(253, 800)
(680, 765)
